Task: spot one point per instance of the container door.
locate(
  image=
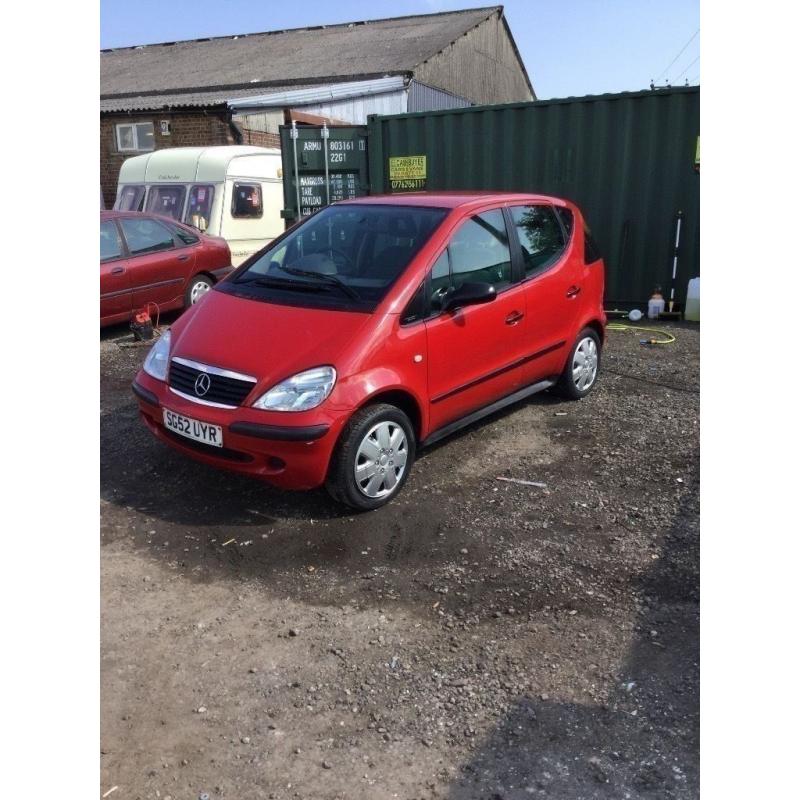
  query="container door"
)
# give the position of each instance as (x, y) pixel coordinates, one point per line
(551, 275)
(475, 352)
(115, 284)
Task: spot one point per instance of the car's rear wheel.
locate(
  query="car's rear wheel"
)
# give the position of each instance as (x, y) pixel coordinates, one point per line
(582, 367)
(197, 288)
(373, 457)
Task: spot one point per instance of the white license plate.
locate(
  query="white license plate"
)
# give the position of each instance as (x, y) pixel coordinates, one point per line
(203, 432)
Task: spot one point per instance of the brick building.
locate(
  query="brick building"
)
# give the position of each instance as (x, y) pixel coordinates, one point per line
(176, 94)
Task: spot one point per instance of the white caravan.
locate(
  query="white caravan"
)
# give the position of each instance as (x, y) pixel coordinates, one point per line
(234, 191)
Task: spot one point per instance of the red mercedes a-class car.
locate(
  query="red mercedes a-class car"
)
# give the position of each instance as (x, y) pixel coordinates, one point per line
(374, 328)
(146, 258)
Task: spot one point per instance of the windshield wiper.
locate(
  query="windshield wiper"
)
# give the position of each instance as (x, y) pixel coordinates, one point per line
(283, 283)
(331, 280)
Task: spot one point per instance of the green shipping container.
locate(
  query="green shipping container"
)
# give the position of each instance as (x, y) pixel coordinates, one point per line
(311, 184)
(630, 161)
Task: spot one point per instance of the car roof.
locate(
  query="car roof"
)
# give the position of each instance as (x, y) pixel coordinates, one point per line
(112, 214)
(453, 199)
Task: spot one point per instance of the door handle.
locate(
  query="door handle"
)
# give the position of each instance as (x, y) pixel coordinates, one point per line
(118, 270)
(573, 291)
(514, 317)
(183, 258)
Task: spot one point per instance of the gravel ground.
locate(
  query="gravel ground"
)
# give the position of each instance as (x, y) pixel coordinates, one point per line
(476, 638)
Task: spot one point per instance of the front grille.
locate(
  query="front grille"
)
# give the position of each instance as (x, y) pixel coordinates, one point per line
(222, 389)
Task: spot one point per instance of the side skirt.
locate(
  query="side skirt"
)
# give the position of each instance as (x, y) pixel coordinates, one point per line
(508, 400)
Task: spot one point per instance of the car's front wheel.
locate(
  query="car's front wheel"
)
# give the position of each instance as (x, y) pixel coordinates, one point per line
(373, 458)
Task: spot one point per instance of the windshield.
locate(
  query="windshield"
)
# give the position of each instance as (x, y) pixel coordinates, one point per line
(166, 200)
(131, 198)
(345, 256)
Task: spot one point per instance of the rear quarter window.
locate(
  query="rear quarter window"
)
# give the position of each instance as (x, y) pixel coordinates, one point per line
(591, 252)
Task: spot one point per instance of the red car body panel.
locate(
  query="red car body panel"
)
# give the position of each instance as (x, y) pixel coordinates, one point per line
(443, 368)
(130, 282)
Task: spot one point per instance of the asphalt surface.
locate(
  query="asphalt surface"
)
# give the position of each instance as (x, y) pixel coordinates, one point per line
(476, 638)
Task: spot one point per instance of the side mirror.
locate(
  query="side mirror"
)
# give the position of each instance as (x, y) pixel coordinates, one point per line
(469, 294)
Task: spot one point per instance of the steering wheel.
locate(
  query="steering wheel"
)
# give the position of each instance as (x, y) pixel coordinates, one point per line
(344, 259)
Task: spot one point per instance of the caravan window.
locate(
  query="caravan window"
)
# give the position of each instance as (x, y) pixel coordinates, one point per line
(131, 198)
(199, 205)
(247, 201)
(166, 200)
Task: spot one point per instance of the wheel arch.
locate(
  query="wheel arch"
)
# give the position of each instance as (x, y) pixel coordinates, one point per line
(598, 328)
(402, 399)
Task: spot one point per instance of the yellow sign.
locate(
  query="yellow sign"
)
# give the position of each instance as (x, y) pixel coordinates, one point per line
(408, 172)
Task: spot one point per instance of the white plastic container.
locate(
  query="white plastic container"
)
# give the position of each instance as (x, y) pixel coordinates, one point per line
(692, 311)
(655, 306)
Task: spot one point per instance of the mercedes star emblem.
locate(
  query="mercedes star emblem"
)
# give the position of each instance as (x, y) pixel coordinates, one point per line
(202, 384)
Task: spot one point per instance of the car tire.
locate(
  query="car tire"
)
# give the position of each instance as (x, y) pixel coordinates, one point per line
(582, 367)
(370, 445)
(198, 286)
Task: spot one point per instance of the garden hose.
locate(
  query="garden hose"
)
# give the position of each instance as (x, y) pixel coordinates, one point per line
(668, 338)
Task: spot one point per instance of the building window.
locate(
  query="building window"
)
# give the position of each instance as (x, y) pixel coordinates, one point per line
(135, 137)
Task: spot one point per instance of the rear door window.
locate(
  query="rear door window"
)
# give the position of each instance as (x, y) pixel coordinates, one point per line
(131, 198)
(540, 236)
(110, 243)
(565, 215)
(247, 201)
(184, 236)
(145, 235)
(199, 206)
(166, 200)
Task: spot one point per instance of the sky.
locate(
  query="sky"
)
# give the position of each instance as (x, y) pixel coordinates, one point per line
(570, 47)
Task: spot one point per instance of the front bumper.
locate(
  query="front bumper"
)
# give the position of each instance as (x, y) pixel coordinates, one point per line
(255, 443)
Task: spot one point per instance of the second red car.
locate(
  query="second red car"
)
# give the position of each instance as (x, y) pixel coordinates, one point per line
(146, 258)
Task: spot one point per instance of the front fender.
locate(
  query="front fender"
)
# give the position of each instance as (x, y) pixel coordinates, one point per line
(365, 387)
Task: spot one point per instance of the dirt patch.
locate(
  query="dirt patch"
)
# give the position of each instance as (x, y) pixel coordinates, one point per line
(475, 638)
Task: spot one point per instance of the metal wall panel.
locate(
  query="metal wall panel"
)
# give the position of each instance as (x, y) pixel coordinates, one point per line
(627, 160)
(422, 97)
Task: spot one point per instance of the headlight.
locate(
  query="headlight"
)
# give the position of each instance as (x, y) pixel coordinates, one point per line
(157, 362)
(300, 392)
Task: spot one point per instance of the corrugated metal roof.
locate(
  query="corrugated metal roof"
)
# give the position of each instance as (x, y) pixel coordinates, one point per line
(203, 67)
(156, 102)
(320, 94)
